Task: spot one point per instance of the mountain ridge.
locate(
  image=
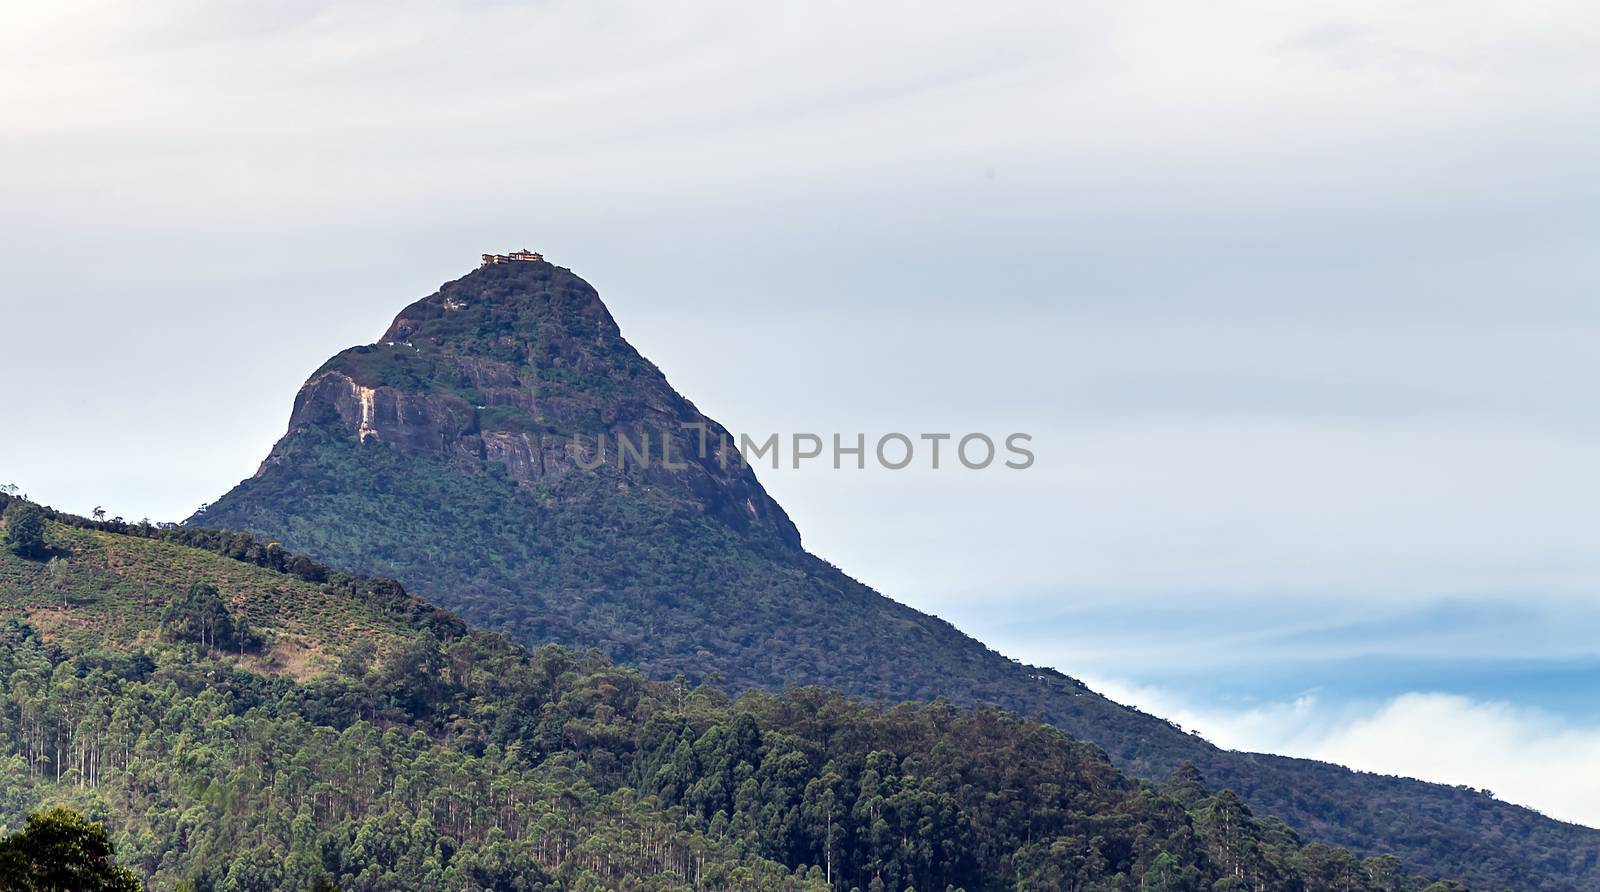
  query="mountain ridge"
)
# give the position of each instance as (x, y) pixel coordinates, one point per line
(443, 455)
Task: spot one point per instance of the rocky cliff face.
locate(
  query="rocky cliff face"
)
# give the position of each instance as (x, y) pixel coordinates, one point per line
(521, 366)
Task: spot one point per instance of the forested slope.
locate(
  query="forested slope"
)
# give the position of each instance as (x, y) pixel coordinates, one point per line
(405, 753)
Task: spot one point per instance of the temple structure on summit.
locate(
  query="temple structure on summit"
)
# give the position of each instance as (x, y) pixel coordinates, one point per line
(523, 256)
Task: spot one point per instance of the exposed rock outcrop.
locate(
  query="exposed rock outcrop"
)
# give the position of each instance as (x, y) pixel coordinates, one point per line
(521, 366)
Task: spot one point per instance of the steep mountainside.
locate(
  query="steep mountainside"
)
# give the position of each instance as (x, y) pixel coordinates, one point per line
(404, 753)
(444, 456)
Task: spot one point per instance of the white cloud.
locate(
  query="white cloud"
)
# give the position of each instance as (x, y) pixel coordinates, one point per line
(1526, 756)
(359, 109)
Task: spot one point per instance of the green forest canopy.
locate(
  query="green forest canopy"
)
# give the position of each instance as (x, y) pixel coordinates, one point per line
(454, 760)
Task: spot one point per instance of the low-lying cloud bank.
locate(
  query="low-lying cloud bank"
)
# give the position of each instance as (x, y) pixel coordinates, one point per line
(1526, 756)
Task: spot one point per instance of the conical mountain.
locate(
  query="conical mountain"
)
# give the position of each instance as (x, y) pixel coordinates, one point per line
(452, 455)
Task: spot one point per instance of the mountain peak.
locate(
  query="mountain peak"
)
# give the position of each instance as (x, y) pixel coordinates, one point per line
(446, 456)
(502, 303)
(517, 371)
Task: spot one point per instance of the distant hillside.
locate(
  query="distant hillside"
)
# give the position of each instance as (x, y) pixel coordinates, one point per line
(106, 584)
(366, 740)
(444, 456)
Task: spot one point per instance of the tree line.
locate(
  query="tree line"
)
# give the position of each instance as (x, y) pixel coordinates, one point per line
(475, 764)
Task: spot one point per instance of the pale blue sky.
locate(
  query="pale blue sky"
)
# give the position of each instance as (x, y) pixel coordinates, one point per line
(1299, 302)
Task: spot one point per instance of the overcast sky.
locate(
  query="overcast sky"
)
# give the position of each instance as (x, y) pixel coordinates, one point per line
(1300, 303)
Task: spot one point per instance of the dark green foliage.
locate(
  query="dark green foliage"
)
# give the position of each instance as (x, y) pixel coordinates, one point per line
(467, 762)
(200, 616)
(356, 661)
(58, 850)
(25, 531)
(699, 574)
(474, 764)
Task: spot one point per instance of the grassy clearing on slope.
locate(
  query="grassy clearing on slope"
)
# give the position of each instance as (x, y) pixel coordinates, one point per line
(111, 589)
